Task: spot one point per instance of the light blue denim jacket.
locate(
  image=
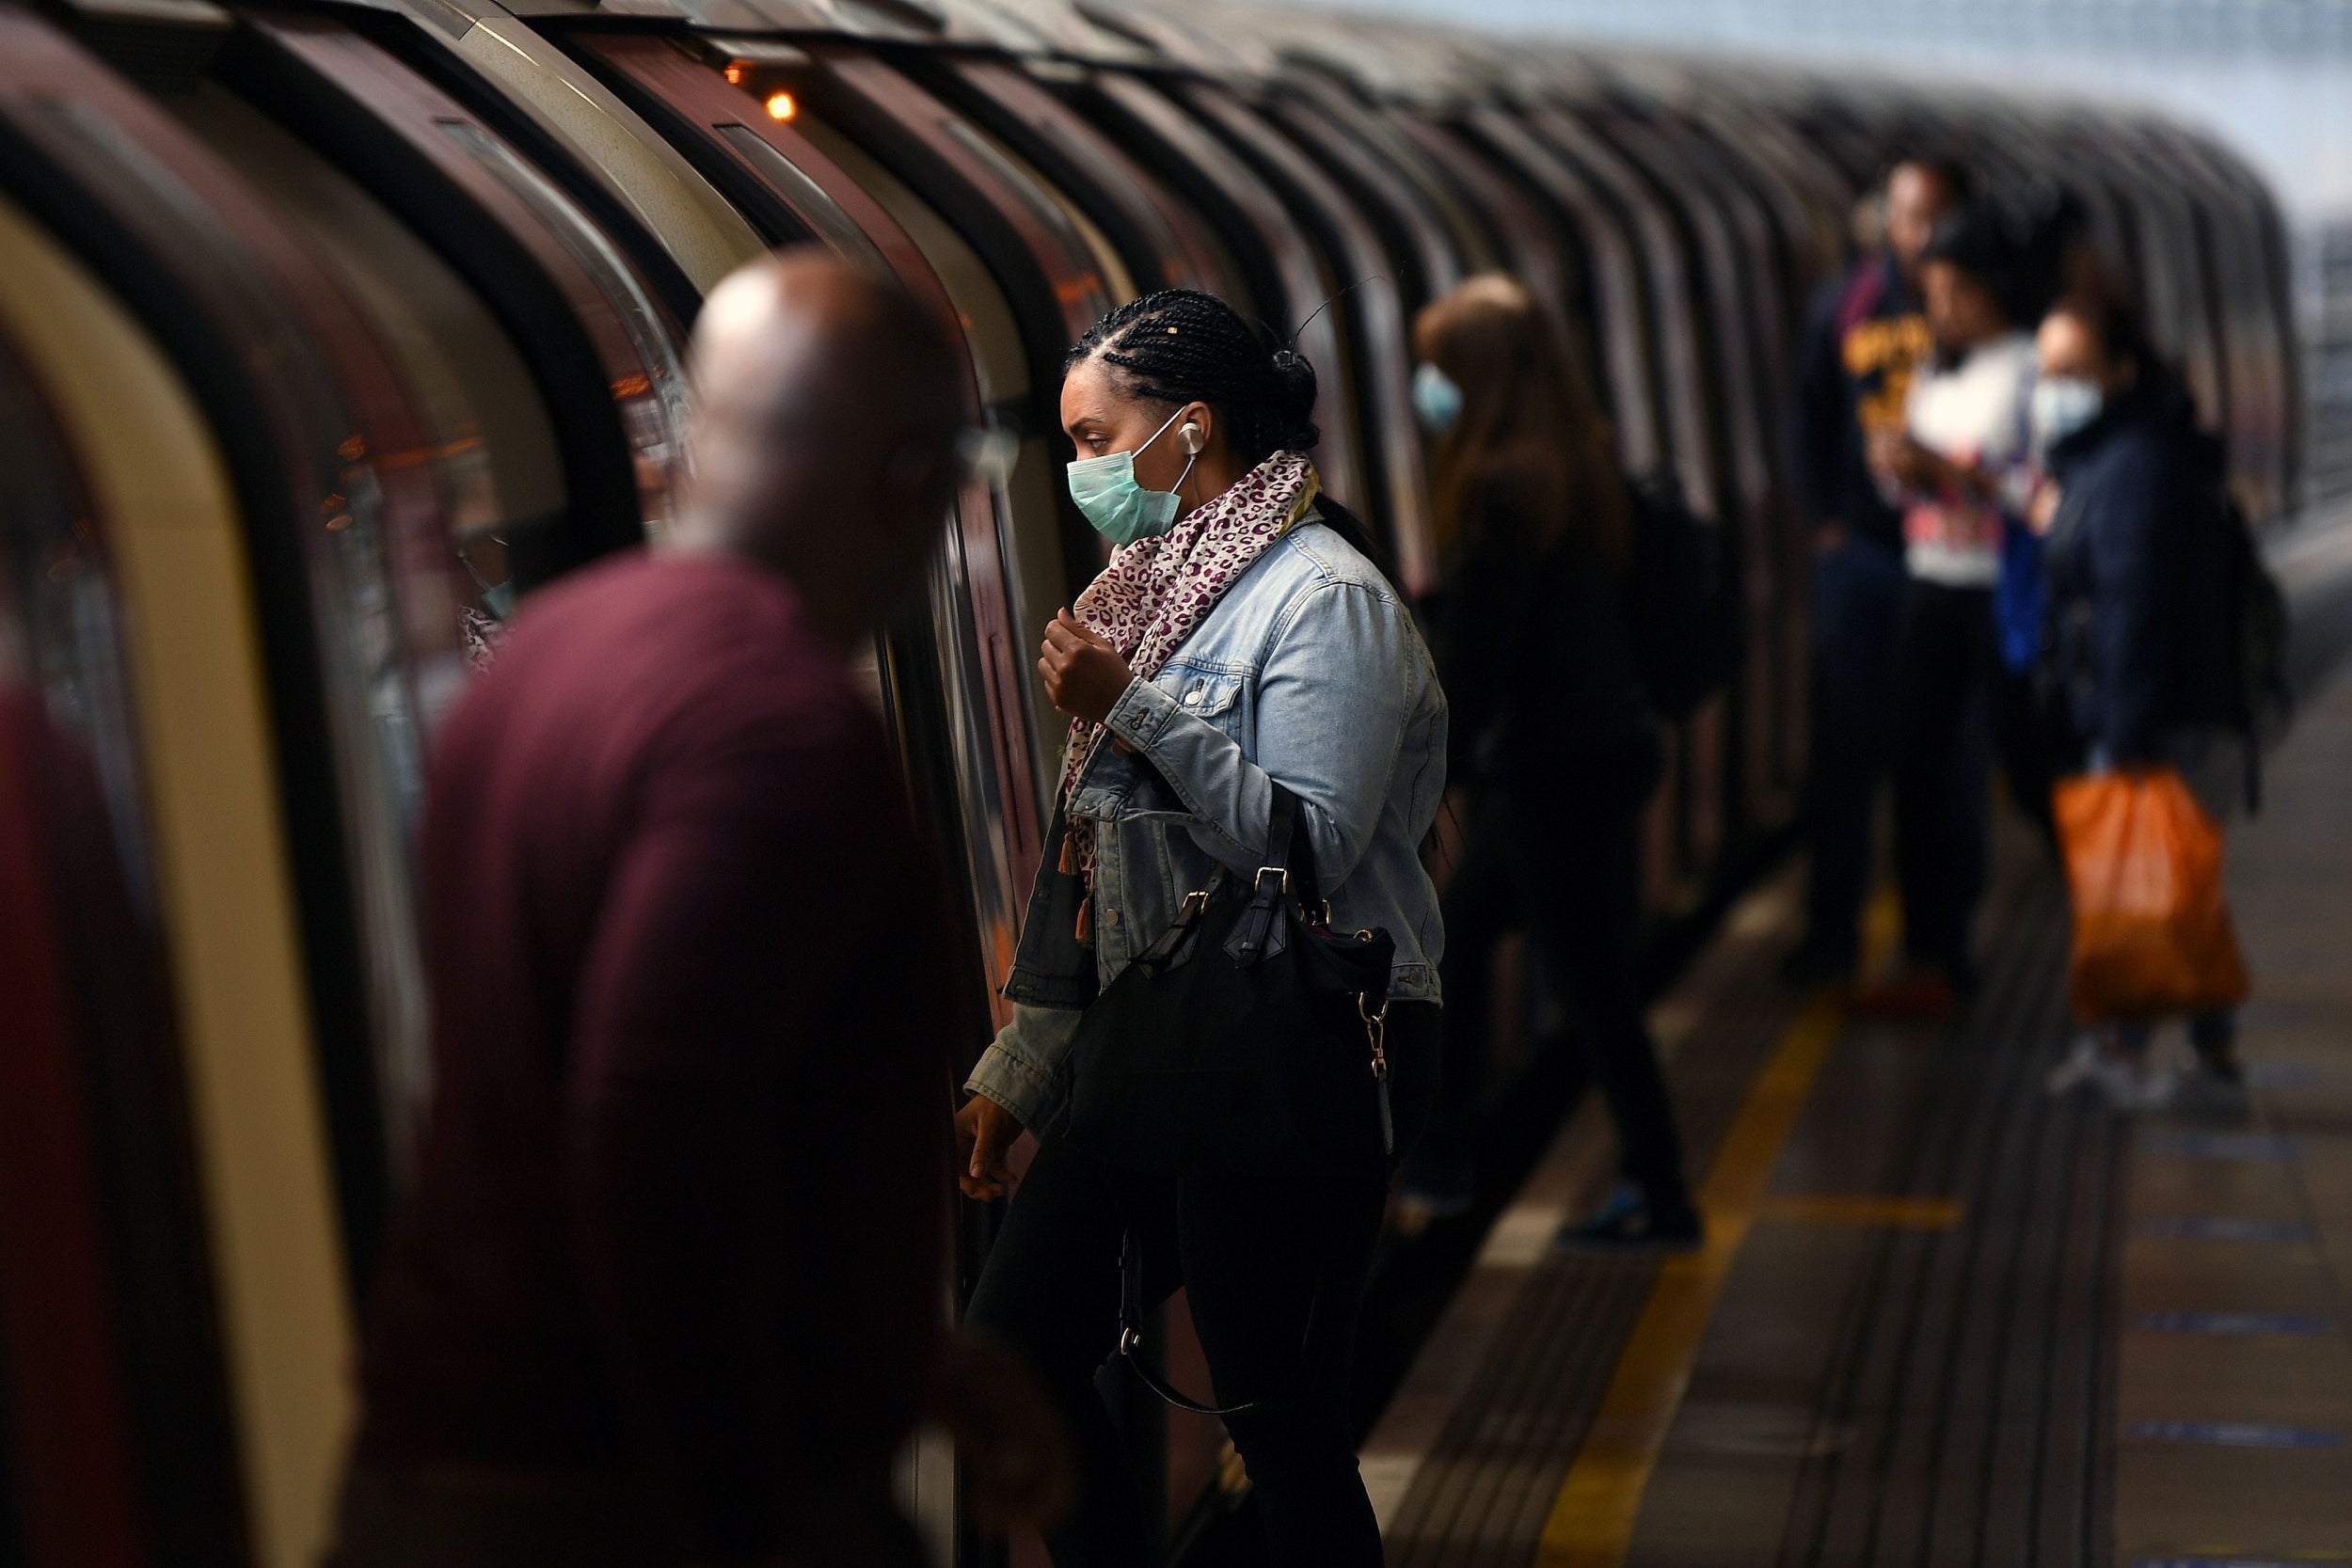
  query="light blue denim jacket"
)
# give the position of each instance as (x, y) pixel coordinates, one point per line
(1309, 670)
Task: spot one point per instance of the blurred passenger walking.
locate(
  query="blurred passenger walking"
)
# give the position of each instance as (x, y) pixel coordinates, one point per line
(2143, 651)
(1240, 669)
(1960, 467)
(1866, 339)
(668, 1286)
(1555, 747)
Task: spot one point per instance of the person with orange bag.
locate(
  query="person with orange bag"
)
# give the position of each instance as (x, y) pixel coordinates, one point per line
(2142, 667)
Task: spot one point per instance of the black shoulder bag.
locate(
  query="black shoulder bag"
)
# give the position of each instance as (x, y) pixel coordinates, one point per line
(1249, 1028)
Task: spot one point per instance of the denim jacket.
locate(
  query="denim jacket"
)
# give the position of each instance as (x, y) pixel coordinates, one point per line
(1309, 670)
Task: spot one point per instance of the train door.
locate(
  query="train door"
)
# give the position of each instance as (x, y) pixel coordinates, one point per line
(144, 942)
(1521, 239)
(2238, 218)
(1720, 261)
(1166, 245)
(349, 544)
(1288, 279)
(1370, 309)
(172, 872)
(1621, 303)
(1697, 758)
(956, 688)
(638, 188)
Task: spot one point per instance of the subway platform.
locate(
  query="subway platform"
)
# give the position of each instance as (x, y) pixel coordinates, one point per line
(1941, 1317)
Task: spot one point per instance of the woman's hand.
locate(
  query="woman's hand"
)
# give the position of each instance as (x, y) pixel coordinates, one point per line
(985, 1131)
(1084, 677)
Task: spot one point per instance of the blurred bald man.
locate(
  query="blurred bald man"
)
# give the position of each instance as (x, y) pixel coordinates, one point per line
(667, 1287)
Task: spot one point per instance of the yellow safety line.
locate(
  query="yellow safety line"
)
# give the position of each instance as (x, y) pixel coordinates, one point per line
(1591, 1518)
(1863, 1209)
(1591, 1523)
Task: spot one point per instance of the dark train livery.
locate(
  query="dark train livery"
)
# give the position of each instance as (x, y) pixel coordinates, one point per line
(326, 331)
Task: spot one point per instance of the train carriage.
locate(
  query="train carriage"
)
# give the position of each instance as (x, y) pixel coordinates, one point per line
(327, 331)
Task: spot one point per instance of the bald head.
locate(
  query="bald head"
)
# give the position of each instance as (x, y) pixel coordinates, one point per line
(826, 414)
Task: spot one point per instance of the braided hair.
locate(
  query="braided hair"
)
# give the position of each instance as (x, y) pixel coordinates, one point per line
(1180, 345)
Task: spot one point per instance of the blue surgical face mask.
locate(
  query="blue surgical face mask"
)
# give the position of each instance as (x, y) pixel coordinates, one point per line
(1435, 398)
(1120, 509)
(2063, 404)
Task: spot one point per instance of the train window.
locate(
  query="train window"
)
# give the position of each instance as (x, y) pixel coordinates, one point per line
(492, 443)
(1051, 207)
(653, 415)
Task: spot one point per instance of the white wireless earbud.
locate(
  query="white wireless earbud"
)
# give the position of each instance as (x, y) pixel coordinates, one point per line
(1190, 438)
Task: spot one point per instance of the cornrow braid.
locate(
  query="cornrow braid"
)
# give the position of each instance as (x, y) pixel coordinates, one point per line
(1181, 345)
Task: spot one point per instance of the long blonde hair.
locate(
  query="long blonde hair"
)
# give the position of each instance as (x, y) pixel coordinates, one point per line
(1529, 410)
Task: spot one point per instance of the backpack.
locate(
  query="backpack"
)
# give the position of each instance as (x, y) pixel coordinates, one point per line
(2258, 640)
(1682, 612)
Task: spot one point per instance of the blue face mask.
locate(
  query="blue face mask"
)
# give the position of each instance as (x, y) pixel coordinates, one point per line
(1435, 398)
(1120, 509)
(2063, 404)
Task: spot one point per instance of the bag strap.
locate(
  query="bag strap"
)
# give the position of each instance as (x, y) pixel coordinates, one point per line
(1288, 872)
(1131, 1340)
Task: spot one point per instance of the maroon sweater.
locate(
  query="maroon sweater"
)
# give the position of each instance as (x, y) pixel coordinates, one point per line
(680, 1207)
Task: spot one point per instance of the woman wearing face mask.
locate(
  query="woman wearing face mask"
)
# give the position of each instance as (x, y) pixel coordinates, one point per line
(2139, 576)
(1554, 741)
(1241, 636)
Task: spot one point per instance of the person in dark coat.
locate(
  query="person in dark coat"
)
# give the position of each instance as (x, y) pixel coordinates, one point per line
(1867, 338)
(1554, 731)
(2140, 582)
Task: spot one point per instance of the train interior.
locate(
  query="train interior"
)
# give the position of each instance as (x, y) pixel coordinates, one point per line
(330, 332)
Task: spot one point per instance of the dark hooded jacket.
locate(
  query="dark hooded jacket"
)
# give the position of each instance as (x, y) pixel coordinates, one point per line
(1865, 340)
(2139, 570)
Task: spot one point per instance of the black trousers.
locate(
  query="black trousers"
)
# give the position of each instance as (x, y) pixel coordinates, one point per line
(1857, 610)
(1945, 664)
(1571, 873)
(1273, 1261)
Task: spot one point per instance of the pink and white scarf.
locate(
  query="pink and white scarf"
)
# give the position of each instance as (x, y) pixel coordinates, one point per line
(1157, 592)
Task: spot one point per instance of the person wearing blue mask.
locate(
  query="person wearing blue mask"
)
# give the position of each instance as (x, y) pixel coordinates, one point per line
(1243, 636)
(1555, 741)
(2141, 646)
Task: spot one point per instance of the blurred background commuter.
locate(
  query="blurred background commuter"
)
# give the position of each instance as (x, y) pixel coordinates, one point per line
(1241, 638)
(1959, 467)
(2143, 651)
(1867, 338)
(1555, 747)
(668, 1288)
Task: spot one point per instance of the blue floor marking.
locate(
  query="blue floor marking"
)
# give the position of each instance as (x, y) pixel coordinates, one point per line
(2231, 1323)
(2223, 1228)
(2239, 1434)
(2220, 1146)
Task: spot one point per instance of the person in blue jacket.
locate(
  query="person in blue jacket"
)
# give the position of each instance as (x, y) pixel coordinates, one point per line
(2141, 642)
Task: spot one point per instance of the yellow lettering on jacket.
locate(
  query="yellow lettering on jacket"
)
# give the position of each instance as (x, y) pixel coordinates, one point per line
(1883, 354)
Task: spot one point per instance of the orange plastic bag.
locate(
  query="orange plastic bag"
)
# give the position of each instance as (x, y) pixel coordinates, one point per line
(2153, 936)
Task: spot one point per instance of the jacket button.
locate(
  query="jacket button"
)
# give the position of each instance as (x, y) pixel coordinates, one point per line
(1110, 917)
(1192, 698)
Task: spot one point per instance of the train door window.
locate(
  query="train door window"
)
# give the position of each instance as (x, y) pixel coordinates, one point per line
(1619, 309)
(1289, 278)
(1166, 246)
(492, 444)
(1041, 573)
(1367, 301)
(603, 352)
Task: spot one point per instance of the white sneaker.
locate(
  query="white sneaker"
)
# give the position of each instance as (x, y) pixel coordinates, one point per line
(2202, 1091)
(2081, 1066)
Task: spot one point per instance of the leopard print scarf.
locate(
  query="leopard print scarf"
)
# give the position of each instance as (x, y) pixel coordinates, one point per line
(1157, 592)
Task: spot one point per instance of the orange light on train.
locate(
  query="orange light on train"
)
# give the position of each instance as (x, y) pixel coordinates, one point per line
(780, 106)
(734, 75)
